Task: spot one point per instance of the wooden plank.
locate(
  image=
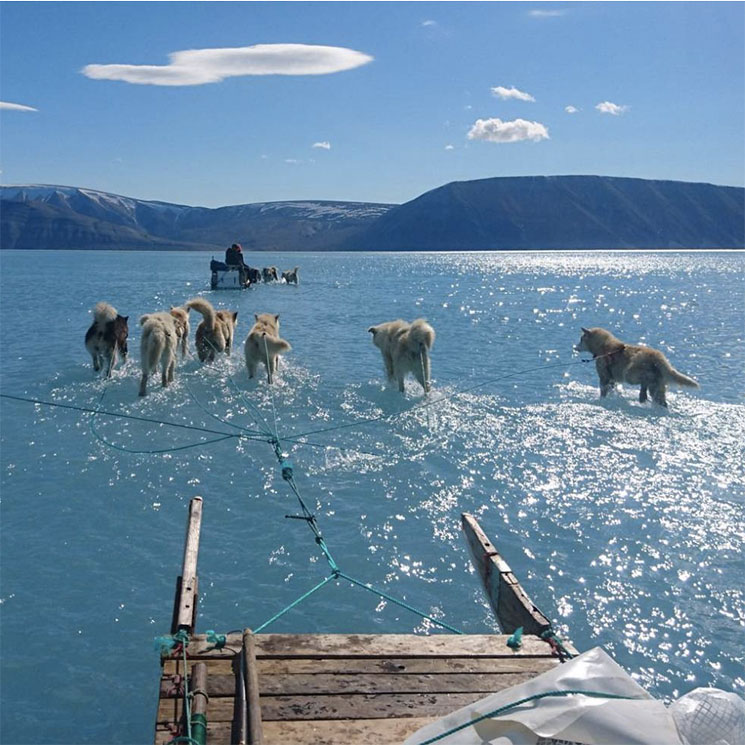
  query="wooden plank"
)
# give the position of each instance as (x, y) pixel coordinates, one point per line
(343, 731)
(218, 733)
(186, 615)
(371, 645)
(317, 732)
(337, 683)
(511, 604)
(344, 706)
(365, 665)
(251, 680)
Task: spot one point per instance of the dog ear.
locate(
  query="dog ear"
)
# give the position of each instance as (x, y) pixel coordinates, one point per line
(372, 329)
(235, 316)
(256, 316)
(276, 317)
(584, 330)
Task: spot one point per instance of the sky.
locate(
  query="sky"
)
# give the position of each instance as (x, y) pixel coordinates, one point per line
(222, 103)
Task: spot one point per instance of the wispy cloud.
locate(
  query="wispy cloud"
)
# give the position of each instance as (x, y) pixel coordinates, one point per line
(571, 109)
(293, 161)
(201, 66)
(505, 93)
(429, 22)
(495, 130)
(15, 107)
(606, 107)
(325, 145)
(449, 147)
(546, 13)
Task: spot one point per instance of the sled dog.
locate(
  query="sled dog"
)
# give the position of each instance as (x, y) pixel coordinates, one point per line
(181, 321)
(269, 274)
(264, 345)
(405, 349)
(107, 337)
(291, 277)
(158, 344)
(617, 362)
(215, 331)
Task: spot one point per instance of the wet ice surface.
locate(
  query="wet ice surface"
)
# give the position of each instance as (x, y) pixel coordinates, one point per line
(624, 521)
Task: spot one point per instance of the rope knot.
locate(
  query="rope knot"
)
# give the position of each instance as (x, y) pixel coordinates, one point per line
(219, 640)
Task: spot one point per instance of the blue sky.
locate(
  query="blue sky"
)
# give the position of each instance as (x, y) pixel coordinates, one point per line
(404, 97)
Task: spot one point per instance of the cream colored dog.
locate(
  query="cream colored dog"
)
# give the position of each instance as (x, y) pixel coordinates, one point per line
(264, 345)
(617, 362)
(216, 330)
(181, 319)
(405, 349)
(159, 343)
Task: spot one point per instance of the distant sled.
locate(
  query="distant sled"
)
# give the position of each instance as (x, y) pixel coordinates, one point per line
(227, 276)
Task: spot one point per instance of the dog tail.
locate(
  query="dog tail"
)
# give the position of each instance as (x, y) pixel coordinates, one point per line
(103, 312)
(421, 334)
(205, 308)
(275, 344)
(674, 376)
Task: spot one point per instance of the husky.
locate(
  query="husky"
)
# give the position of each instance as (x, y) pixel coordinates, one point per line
(159, 344)
(617, 362)
(181, 321)
(216, 330)
(264, 345)
(405, 349)
(254, 274)
(291, 277)
(107, 337)
(269, 273)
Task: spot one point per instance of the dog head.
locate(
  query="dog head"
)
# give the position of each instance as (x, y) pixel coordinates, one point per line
(582, 345)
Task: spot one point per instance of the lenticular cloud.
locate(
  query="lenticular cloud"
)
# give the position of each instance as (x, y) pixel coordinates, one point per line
(495, 130)
(201, 66)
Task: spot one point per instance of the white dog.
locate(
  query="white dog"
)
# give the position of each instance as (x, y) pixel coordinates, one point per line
(264, 345)
(405, 349)
(159, 343)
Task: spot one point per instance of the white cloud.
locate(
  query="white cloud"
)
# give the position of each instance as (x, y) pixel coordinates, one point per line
(293, 161)
(201, 66)
(495, 130)
(606, 107)
(325, 145)
(505, 93)
(571, 109)
(15, 107)
(429, 23)
(546, 13)
(449, 147)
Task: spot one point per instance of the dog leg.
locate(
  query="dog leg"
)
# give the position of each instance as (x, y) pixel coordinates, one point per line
(642, 394)
(112, 362)
(658, 394)
(388, 361)
(96, 362)
(143, 384)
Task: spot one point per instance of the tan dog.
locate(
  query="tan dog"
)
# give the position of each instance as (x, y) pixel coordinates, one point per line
(264, 345)
(405, 349)
(291, 277)
(181, 319)
(617, 362)
(158, 344)
(216, 330)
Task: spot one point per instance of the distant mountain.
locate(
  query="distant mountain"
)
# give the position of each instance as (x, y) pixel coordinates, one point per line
(562, 212)
(57, 217)
(509, 213)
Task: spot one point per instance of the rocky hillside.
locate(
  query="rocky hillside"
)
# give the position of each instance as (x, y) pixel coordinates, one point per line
(562, 212)
(55, 217)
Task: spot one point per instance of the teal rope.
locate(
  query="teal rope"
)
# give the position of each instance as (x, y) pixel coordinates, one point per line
(534, 697)
(294, 603)
(408, 607)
